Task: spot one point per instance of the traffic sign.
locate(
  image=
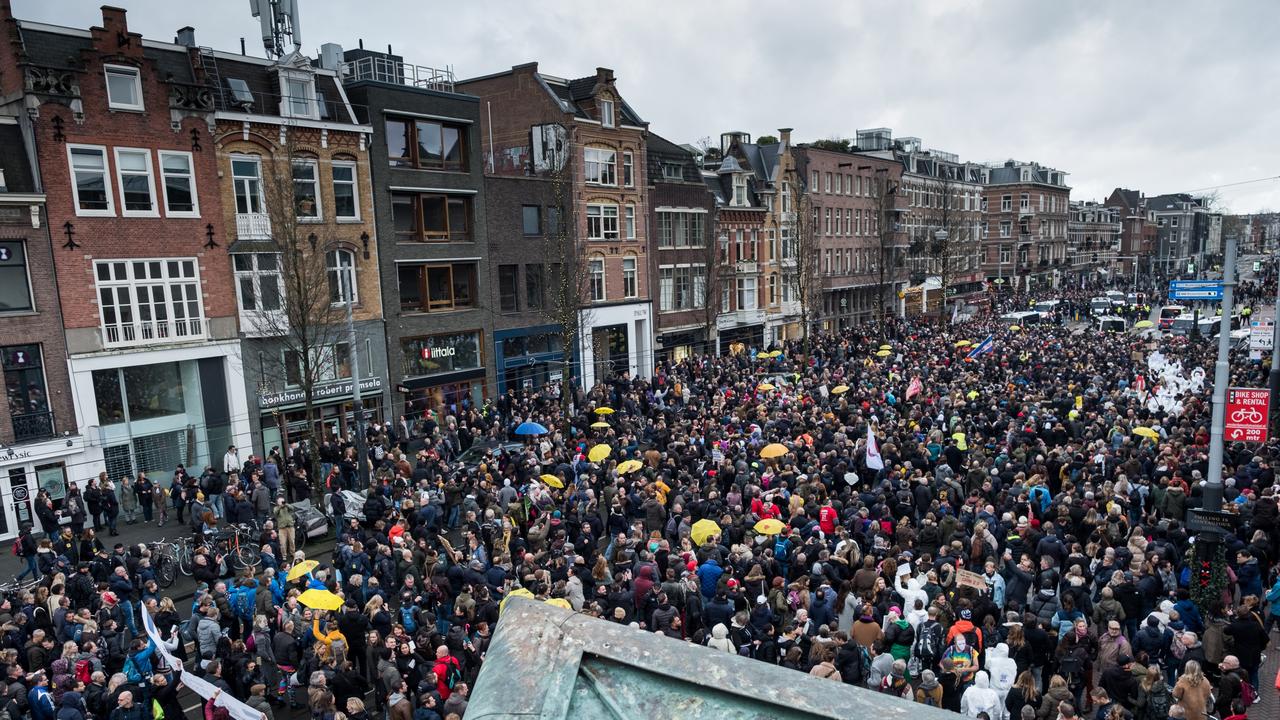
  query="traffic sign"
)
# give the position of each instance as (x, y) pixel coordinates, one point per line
(1261, 335)
(1195, 289)
(1247, 413)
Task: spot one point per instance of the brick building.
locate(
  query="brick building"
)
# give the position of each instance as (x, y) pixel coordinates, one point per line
(122, 134)
(1093, 241)
(297, 205)
(1138, 234)
(428, 176)
(1026, 209)
(685, 255)
(843, 188)
(38, 435)
(585, 133)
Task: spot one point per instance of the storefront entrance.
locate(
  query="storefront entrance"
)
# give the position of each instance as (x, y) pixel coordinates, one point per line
(611, 352)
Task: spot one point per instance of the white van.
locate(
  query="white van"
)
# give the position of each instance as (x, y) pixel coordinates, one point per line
(1024, 317)
(1110, 323)
(1100, 305)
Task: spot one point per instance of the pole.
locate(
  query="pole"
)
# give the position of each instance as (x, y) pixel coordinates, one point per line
(357, 406)
(1221, 376)
(1273, 380)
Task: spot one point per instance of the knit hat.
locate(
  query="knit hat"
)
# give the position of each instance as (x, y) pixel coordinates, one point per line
(928, 680)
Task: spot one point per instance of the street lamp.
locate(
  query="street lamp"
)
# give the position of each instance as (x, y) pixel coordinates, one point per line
(940, 242)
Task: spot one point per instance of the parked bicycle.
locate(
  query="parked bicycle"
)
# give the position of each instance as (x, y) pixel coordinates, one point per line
(238, 546)
(163, 562)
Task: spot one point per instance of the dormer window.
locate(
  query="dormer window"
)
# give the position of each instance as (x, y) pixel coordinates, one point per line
(740, 190)
(606, 113)
(298, 95)
(124, 87)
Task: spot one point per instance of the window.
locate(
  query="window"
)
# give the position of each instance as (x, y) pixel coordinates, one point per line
(682, 287)
(1005, 228)
(848, 222)
(771, 237)
(606, 113)
(629, 276)
(740, 251)
(746, 293)
(508, 288)
(137, 188)
(124, 87)
(773, 289)
(596, 269)
(298, 99)
(328, 363)
(601, 166)
(431, 218)
(602, 222)
(306, 190)
(740, 190)
(826, 221)
(786, 197)
(89, 180)
(553, 221)
(672, 171)
(1006, 203)
(531, 218)
(341, 268)
(427, 144)
(535, 286)
(15, 283)
(628, 170)
(813, 180)
(143, 301)
(431, 288)
(839, 184)
(345, 203)
(25, 387)
(179, 181)
(257, 281)
(826, 187)
(631, 222)
(248, 185)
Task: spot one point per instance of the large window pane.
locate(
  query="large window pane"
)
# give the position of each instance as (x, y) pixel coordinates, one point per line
(458, 219)
(435, 222)
(534, 286)
(508, 292)
(453, 149)
(399, 142)
(406, 226)
(411, 287)
(429, 148)
(463, 285)
(153, 391)
(109, 398)
(439, 287)
(15, 292)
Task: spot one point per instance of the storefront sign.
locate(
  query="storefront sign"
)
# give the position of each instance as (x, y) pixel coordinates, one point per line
(325, 391)
(438, 354)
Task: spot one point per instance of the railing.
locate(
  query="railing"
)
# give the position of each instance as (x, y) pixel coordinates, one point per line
(143, 332)
(33, 426)
(747, 267)
(253, 226)
(1027, 211)
(384, 69)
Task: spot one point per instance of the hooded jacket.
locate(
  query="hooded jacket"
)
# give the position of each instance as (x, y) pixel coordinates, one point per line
(720, 639)
(982, 698)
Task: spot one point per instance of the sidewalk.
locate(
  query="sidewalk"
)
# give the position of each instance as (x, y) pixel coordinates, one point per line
(1269, 703)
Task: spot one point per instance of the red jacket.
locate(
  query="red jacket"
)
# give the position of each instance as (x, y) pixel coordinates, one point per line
(441, 669)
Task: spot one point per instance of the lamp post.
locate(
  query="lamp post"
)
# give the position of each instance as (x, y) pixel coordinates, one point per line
(357, 406)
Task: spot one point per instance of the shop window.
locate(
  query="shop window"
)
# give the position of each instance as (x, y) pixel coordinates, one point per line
(15, 282)
(426, 144)
(431, 218)
(138, 392)
(436, 354)
(508, 288)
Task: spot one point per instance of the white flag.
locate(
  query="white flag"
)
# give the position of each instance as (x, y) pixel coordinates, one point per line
(874, 461)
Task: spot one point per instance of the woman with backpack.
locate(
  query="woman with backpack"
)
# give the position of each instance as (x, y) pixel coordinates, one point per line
(1154, 696)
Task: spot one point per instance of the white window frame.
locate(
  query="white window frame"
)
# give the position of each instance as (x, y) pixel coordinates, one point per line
(151, 182)
(631, 222)
(593, 263)
(607, 214)
(630, 278)
(355, 189)
(146, 332)
(287, 108)
(740, 190)
(315, 182)
(600, 159)
(607, 118)
(337, 269)
(628, 170)
(194, 212)
(255, 275)
(107, 183)
(120, 70)
(747, 287)
(236, 179)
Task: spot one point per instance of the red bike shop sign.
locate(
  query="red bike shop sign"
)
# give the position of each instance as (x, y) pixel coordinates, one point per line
(1248, 410)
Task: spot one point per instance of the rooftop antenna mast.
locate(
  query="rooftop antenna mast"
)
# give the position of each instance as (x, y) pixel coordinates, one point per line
(279, 20)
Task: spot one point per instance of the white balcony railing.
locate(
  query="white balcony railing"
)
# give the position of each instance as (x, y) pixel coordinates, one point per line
(145, 332)
(747, 268)
(253, 226)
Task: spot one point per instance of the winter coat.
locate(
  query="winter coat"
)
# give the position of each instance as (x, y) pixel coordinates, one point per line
(720, 639)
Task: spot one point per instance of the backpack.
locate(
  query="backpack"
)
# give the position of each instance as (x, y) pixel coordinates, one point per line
(453, 676)
(408, 620)
(131, 671)
(1247, 694)
(244, 602)
(780, 550)
(84, 671)
(1176, 648)
(927, 641)
(17, 547)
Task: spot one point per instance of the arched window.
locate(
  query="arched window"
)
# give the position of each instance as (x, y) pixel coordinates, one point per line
(341, 266)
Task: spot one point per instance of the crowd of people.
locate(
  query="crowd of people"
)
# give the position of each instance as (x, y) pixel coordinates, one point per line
(1001, 535)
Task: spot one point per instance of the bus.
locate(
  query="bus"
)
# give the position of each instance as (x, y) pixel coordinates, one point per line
(1169, 313)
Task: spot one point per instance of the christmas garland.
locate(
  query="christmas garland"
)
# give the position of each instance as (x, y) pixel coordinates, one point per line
(1208, 575)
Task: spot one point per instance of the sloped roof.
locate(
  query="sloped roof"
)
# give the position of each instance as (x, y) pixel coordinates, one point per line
(662, 146)
(1171, 201)
(716, 184)
(62, 48)
(573, 92)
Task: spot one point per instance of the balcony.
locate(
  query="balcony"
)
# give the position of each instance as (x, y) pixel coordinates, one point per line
(253, 226)
(787, 218)
(145, 332)
(1026, 211)
(383, 69)
(747, 268)
(32, 426)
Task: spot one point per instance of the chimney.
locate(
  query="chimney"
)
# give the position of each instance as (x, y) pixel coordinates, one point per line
(331, 56)
(784, 136)
(113, 37)
(604, 76)
(113, 19)
(186, 37)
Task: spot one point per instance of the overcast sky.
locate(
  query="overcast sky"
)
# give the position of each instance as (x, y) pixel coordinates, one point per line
(1168, 96)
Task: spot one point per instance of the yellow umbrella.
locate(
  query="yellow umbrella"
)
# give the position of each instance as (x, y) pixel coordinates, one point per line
(629, 466)
(963, 343)
(773, 450)
(883, 353)
(886, 347)
(552, 480)
(765, 387)
(558, 602)
(601, 425)
(1146, 432)
(518, 592)
(770, 526)
(320, 599)
(1143, 324)
(839, 389)
(703, 530)
(1014, 328)
(301, 569)
(604, 411)
(599, 453)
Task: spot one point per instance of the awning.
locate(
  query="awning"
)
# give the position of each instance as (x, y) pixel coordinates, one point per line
(417, 383)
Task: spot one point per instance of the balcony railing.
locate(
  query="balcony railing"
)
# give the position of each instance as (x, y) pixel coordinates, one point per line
(253, 226)
(33, 426)
(144, 332)
(384, 69)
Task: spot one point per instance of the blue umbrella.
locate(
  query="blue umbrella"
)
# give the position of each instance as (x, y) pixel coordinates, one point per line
(530, 428)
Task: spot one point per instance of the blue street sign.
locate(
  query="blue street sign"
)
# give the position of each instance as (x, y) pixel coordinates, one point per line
(1195, 289)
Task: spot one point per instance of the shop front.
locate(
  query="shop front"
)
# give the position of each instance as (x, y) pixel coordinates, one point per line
(284, 413)
(528, 358)
(28, 468)
(442, 373)
(616, 339)
(676, 345)
(744, 328)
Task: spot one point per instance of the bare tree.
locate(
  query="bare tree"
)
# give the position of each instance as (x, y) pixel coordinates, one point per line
(308, 320)
(570, 277)
(883, 193)
(715, 259)
(947, 238)
(806, 281)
